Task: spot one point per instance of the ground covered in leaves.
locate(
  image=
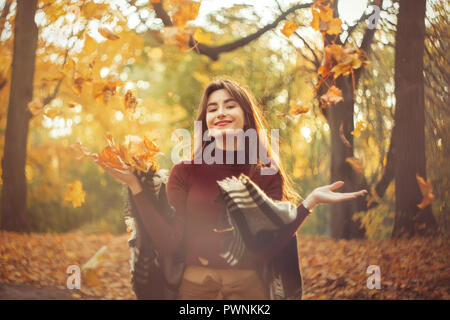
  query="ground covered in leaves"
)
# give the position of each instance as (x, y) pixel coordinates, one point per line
(409, 269)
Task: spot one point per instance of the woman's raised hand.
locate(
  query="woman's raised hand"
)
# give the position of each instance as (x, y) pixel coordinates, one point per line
(124, 176)
(325, 194)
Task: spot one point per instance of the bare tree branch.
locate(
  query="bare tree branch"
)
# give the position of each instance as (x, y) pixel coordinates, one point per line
(213, 52)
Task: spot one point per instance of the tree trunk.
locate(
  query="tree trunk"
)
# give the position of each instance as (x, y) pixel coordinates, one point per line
(14, 192)
(410, 123)
(342, 224)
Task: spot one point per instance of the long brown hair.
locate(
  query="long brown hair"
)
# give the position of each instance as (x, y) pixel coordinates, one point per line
(254, 119)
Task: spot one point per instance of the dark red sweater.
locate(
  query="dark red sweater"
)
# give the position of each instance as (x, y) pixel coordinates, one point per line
(193, 191)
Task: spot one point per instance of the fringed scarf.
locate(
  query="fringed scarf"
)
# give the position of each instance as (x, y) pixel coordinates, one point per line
(255, 220)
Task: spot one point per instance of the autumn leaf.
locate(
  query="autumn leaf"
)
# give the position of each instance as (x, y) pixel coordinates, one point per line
(104, 90)
(333, 96)
(355, 163)
(130, 101)
(202, 36)
(77, 85)
(76, 194)
(350, 59)
(35, 107)
(324, 21)
(52, 113)
(427, 191)
(185, 10)
(178, 36)
(360, 125)
(203, 261)
(289, 28)
(108, 34)
(80, 150)
(280, 114)
(297, 108)
(109, 157)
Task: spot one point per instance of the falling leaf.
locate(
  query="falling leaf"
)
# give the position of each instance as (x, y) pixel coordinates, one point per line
(427, 191)
(52, 113)
(203, 261)
(35, 107)
(280, 114)
(202, 36)
(356, 164)
(80, 150)
(360, 125)
(155, 1)
(324, 21)
(178, 36)
(75, 194)
(77, 85)
(185, 10)
(104, 90)
(130, 101)
(297, 108)
(108, 34)
(289, 28)
(333, 96)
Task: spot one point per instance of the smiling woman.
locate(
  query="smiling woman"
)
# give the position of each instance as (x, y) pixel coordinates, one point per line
(218, 218)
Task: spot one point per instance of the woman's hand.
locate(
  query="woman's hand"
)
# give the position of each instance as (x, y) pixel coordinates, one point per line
(124, 176)
(325, 194)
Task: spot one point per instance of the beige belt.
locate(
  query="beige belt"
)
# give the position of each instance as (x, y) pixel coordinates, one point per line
(198, 274)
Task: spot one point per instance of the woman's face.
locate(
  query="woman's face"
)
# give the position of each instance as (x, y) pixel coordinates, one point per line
(223, 113)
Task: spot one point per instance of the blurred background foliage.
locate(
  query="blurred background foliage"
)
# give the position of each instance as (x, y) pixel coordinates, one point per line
(168, 83)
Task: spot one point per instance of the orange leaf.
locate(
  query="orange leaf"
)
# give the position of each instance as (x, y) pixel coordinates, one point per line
(427, 191)
(80, 150)
(356, 164)
(108, 34)
(333, 96)
(130, 101)
(75, 194)
(110, 158)
(289, 28)
(297, 108)
(185, 11)
(35, 107)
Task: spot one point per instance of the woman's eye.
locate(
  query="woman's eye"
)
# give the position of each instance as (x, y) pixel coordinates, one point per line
(212, 110)
(230, 107)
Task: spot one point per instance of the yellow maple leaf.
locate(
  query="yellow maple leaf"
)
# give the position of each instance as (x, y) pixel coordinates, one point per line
(297, 108)
(427, 191)
(360, 125)
(289, 28)
(185, 10)
(202, 36)
(76, 194)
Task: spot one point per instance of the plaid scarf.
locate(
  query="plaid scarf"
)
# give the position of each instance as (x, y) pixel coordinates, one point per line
(255, 220)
